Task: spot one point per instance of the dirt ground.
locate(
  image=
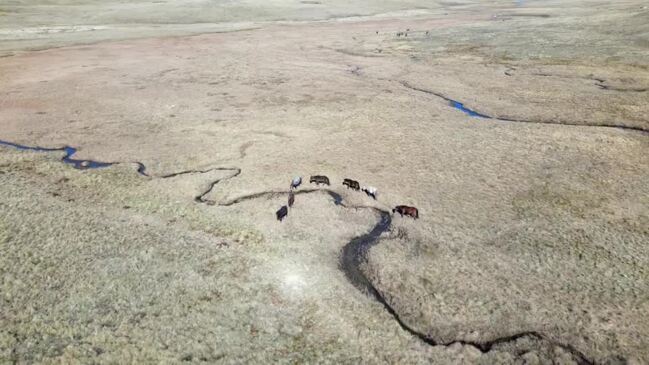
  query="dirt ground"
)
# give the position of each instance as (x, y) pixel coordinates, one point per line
(531, 245)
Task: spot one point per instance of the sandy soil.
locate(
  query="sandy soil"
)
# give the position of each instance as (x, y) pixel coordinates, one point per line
(530, 247)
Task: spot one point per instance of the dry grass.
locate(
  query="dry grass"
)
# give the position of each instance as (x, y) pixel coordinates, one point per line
(523, 227)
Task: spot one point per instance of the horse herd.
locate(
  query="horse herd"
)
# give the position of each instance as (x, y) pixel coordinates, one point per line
(350, 184)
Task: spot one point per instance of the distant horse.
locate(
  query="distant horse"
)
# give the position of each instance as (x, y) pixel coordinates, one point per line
(406, 210)
(352, 184)
(291, 199)
(281, 213)
(319, 179)
(370, 191)
(296, 182)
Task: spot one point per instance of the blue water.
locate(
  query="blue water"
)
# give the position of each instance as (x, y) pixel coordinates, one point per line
(467, 111)
(338, 199)
(69, 152)
(21, 147)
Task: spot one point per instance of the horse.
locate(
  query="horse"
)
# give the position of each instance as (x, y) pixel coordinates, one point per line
(296, 182)
(319, 179)
(291, 199)
(281, 213)
(406, 210)
(370, 191)
(352, 184)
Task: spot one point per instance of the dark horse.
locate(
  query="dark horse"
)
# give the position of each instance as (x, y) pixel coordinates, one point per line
(291, 199)
(406, 210)
(281, 213)
(319, 179)
(352, 184)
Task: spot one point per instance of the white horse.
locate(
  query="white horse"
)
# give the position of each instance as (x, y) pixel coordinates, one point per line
(370, 191)
(296, 182)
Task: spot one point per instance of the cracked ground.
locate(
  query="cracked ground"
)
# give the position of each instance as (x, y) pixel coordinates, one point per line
(532, 241)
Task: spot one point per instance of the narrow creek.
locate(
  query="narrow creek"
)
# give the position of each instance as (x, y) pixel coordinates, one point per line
(353, 254)
(473, 113)
(69, 152)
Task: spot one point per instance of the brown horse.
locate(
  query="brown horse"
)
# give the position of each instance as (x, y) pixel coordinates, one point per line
(406, 210)
(352, 184)
(319, 179)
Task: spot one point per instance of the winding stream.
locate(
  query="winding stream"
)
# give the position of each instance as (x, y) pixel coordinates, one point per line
(467, 111)
(337, 199)
(353, 254)
(69, 152)
(473, 113)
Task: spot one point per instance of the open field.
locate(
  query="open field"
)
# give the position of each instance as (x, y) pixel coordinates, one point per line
(532, 244)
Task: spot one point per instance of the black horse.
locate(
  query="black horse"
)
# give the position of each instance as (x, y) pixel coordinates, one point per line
(352, 184)
(319, 179)
(281, 213)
